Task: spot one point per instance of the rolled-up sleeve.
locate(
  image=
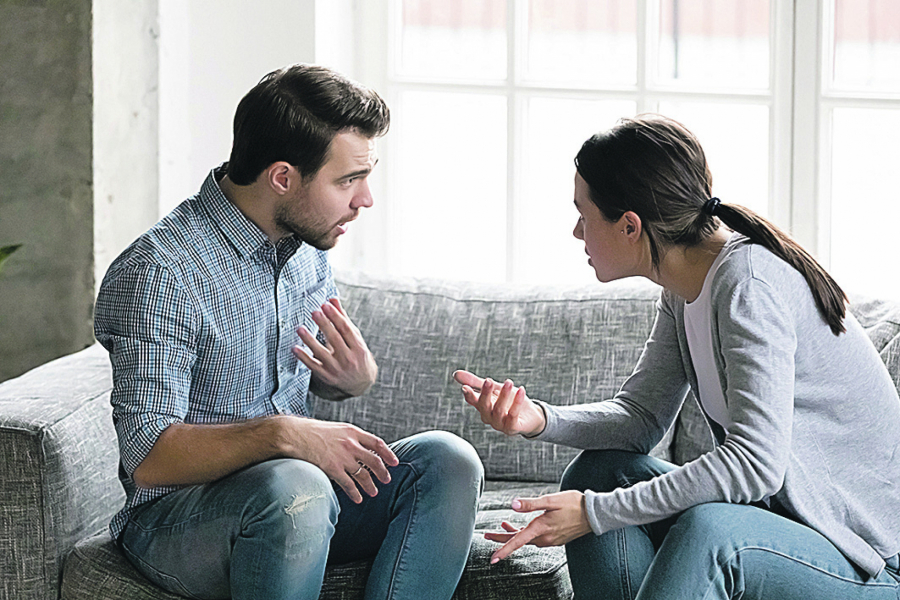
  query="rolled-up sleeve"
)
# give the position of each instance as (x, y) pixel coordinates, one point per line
(145, 320)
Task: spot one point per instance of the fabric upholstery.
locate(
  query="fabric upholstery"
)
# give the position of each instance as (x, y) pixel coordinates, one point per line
(96, 569)
(58, 452)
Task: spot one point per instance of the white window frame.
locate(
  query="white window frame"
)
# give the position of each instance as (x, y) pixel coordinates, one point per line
(798, 99)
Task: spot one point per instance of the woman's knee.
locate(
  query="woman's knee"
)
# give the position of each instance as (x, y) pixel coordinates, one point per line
(607, 470)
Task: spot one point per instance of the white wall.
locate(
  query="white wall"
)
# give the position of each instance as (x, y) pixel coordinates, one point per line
(125, 125)
(211, 52)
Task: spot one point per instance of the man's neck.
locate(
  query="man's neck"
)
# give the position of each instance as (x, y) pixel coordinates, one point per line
(253, 205)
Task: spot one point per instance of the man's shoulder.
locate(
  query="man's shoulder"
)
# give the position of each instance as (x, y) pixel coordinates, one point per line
(177, 242)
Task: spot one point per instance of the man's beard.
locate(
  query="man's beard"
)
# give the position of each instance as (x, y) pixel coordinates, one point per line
(317, 235)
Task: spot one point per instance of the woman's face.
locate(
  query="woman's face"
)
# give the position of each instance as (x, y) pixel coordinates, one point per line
(605, 242)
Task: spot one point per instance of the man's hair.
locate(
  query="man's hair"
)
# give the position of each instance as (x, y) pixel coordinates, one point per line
(292, 115)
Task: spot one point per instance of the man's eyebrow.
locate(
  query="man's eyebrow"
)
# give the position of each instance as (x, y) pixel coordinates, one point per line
(358, 172)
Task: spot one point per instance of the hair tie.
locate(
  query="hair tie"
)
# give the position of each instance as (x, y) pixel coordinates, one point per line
(711, 206)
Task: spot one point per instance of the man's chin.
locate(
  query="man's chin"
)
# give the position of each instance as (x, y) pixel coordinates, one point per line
(322, 243)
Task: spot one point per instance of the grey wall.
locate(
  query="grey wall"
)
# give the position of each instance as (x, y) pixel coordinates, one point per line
(46, 181)
(100, 118)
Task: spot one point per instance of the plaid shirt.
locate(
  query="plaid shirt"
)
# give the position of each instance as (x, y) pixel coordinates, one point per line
(199, 316)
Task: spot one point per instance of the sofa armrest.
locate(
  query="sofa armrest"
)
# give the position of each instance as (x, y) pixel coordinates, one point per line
(58, 462)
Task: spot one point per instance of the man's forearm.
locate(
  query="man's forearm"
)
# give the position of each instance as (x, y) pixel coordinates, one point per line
(191, 454)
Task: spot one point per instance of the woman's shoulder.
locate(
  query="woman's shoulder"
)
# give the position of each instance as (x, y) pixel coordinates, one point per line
(748, 263)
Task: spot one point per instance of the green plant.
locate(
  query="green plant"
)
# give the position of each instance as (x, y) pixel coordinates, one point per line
(5, 253)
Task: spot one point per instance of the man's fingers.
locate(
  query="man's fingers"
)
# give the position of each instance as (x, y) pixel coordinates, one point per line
(316, 348)
(348, 484)
(363, 477)
(336, 302)
(329, 329)
(311, 363)
(344, 327)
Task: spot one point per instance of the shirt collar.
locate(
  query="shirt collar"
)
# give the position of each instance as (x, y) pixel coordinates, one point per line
(243, 234)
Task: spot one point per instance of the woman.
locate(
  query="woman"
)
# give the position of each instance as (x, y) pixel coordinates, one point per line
(801, 496)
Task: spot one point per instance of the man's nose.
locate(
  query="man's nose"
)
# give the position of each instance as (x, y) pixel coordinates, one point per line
(363, 196)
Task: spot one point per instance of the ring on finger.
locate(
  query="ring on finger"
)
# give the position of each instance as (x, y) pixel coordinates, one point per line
(356, 472)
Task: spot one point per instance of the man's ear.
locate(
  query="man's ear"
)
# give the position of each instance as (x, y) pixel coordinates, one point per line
(631, 225)
(282, 177)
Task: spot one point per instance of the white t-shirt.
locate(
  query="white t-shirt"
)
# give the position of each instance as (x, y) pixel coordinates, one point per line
(698, 329)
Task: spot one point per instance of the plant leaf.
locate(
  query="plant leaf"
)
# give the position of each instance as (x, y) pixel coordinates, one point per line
(6, 251)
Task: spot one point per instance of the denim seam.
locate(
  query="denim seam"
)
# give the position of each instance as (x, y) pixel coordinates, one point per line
(736, 554)
(412, 516)
(152, 569)
(626, 573)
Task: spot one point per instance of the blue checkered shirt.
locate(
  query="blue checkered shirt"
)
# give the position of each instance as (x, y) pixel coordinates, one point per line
(199, 316)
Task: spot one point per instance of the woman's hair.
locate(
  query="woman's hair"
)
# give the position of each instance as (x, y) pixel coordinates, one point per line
(293, 113)
(653, 166)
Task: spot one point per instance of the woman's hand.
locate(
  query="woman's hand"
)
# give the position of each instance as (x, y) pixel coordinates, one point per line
(505, 407)
(564, 519)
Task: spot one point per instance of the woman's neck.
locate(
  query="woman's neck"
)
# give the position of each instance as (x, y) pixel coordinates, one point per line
(682, 271)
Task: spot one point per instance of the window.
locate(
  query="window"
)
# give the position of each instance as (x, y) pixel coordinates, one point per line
(492, 99)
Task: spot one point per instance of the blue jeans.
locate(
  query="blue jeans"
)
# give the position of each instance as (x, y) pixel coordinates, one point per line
(268, 531)
(711, 551)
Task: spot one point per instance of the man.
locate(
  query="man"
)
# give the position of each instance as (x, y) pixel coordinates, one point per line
(232, 490)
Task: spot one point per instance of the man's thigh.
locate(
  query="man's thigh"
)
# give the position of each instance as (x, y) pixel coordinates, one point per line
(185, 541)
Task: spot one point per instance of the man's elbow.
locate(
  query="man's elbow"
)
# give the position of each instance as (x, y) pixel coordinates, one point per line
(143, 477)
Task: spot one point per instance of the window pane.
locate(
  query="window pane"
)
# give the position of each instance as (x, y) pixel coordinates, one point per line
(546, 251)
(864, 206)
(463, 39)
(449, 196)
(582, 42)
(721, 44)
(867, 45)
(735, 138)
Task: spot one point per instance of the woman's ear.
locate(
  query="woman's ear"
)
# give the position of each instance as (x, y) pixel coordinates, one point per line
(631, 225)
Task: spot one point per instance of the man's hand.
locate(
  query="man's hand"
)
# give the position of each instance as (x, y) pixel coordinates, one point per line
(505, 407)
(344, 362)
(344, 452)
(564, 519)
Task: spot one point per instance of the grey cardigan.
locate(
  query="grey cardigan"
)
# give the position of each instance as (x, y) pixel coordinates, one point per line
(815, 417)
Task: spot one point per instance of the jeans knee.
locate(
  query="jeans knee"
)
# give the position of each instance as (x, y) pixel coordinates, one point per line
(599, 470)
(707, 527)
(444, 459)
(290, 496)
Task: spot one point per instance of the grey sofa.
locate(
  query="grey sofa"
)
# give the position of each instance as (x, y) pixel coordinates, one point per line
(58, 451)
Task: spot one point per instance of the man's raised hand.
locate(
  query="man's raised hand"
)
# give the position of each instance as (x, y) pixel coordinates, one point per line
(344, 362)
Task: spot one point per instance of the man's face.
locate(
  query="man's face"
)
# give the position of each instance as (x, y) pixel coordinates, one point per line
(319, 211)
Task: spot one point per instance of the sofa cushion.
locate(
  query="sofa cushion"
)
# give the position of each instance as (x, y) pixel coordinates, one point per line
(97, 570)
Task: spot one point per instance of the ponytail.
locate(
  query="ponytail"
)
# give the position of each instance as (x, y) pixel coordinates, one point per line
(830, 298)
(653, 166)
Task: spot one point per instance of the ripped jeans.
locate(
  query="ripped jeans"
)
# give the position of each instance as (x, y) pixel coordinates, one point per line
(268, 531)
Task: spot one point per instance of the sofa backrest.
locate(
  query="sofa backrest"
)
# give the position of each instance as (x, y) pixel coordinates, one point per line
(565, 345)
